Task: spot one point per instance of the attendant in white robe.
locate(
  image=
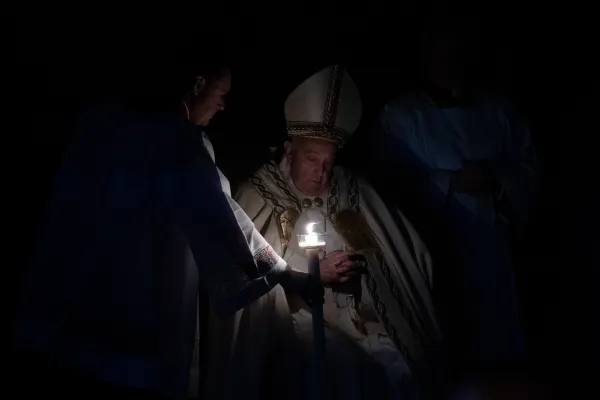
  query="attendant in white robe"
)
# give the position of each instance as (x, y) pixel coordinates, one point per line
(199, 106)
(265, 257)
(138, 219)
(468, 163)
(217, 382)
(382, 336)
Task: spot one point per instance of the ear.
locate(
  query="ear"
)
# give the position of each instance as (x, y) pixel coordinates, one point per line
(199, 85)
(288, 146)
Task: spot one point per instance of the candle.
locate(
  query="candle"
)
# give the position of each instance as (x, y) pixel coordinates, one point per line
(313, 243)
(311, 239)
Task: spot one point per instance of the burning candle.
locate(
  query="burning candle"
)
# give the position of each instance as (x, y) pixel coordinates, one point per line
(311, 239)
(313, 243)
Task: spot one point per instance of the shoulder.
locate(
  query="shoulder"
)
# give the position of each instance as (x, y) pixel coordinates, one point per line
(100, 131)
(379, 208)
(495, 101)
(246, 189)
(406, 104)
(251, 199)
(362, 182)
(340, 171)
(401, 114)
(248, 193)
(99, 121)
(500, 108)
(345, 178)
(366, 190)
(407, 100)
(348, 180)
(263, 175)
(371, 199)
(343, 173)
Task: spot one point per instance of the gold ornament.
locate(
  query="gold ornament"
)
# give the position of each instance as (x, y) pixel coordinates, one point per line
(351, 226)
(287, 223)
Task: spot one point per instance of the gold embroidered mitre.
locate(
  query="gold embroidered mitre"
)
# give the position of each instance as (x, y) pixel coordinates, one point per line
(325, 106)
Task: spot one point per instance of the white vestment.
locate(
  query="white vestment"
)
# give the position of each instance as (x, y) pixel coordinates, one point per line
(390, 306)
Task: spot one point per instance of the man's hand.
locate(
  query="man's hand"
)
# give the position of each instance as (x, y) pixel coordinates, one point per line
(336, 267)
(474, 177)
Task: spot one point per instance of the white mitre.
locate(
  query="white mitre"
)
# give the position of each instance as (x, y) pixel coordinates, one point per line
(326, 106)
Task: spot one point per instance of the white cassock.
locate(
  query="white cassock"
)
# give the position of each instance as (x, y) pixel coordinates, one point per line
(222, 374)
(429, 143)
(367, 323)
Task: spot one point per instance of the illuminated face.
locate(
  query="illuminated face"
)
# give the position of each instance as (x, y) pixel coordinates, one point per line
(311, 163)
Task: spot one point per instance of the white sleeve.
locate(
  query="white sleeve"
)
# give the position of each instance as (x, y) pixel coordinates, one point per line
(259, 247)
(228, 271)
(266, 259)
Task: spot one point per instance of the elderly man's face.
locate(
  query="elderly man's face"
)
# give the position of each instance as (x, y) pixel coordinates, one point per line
(311, 162)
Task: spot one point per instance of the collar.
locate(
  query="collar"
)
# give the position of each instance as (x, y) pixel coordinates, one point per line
(208, 146)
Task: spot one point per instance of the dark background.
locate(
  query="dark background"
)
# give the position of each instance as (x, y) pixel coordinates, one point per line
(548, 65)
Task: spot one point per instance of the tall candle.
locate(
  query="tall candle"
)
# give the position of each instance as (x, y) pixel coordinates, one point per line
(313, 242)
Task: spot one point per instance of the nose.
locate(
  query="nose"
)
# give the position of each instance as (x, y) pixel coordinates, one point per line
(322, 173)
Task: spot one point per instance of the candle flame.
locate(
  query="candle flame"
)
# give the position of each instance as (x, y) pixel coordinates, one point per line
(309, 227)
(311, 239)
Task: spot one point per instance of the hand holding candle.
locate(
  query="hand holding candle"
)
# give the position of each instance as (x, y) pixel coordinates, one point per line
(334, 268)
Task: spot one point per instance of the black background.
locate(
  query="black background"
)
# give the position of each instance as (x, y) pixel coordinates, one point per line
(547, 63)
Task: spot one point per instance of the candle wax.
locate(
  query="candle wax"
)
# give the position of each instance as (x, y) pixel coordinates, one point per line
(311, 239)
